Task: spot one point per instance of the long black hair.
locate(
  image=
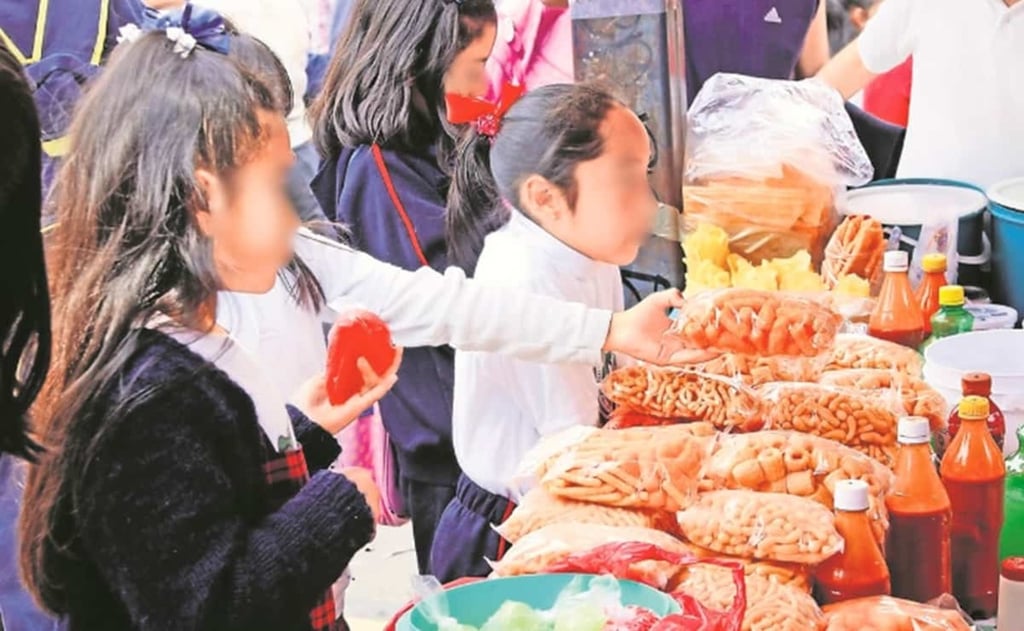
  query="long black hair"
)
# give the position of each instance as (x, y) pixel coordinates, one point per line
(128, 248)
(548, 132)
(384, 84)
(24, 297)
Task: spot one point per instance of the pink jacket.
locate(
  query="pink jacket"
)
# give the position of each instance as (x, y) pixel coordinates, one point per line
(533, 48)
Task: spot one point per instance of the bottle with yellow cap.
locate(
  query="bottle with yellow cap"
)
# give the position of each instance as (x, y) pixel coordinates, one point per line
(953, 318)
(973, 472)
(934, 268)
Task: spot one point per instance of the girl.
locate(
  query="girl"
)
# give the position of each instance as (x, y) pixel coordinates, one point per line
(570, 164)
(381, 127)
(172, 496)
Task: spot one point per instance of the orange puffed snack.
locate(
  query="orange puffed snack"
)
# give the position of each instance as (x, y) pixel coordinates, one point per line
(863, 351)
(915, 396)
(764, 323)
(885, 613)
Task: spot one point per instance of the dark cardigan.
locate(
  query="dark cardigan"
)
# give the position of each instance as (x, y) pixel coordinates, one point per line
(172, 526)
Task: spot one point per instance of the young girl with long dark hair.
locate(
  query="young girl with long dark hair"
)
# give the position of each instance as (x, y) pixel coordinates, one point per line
(380, 125)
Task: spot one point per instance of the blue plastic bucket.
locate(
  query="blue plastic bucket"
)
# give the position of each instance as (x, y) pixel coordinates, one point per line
(903, 203)
(1008, 242)
(475, 603)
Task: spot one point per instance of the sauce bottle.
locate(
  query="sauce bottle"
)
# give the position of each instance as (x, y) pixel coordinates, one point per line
(920, 516)
(1011, 594)
(1011, 542)
(953, 317)
(973, 472)
(979, 384)
(897, 316)
(934, 268)
(859, 570)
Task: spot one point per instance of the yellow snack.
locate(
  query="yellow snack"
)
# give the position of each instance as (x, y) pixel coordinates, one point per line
(761, 278)
(708, 243)
(704, 276)
(853, 286)
(801, 281)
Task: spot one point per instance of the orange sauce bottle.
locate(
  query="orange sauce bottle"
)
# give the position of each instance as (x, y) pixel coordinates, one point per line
(973, 472)
(859, 570)
(897, 316)
(934, 268)
(920, 516)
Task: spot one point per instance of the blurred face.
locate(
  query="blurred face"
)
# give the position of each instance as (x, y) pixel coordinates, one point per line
(615, 206)
(250, 219)
(467, 76)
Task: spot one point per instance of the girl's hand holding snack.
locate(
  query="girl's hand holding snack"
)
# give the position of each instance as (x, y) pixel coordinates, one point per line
(640, 332)
(313, 399)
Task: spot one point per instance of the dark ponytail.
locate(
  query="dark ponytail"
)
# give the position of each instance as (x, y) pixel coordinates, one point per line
(548, 133)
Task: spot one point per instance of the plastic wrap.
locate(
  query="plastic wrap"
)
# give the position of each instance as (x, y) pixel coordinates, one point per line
(914, 397)
(771, 526)
(762, 323)
(752, 370)
(685, 395)
(855, 419)
(799, 464)
(892, 614)
(862, 351)
(793, 575)
(654, 468)
(856, 248)
(539, 509)
(771, 606)
(544, 549)
(763, 160)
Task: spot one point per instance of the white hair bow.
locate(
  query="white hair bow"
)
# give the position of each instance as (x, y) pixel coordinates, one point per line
(128, 33)
(184, 43)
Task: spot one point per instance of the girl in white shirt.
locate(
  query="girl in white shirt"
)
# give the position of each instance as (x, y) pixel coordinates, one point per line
(566, 178)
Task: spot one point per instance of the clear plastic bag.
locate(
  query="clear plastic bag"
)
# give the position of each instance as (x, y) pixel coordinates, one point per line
(762, 323)
(798, 464)
(847, 416)
(771, 526)
(856, 248)
(888, 613)
(654, 468)
(793, 575)
(544, 549)
(539, 509)
(686, 396)
(752, 370)
(913, 396)
(862, 351)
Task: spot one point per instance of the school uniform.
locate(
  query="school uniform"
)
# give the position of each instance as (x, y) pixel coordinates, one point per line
(504, 406)
(355, 188)
(966, 98)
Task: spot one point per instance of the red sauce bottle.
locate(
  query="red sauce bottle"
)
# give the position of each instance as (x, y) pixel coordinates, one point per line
(979, 384)
(859, 570)
(897, 316)
(973, 473)
(920, 517)
(934, 268)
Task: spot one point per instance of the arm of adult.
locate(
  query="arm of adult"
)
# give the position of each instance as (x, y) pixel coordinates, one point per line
(816, 52)
(158, 494)
(887, 41)
(425, 308)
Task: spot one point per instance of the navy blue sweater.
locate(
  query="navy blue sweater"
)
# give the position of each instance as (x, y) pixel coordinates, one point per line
(172, 526)
(418, 411)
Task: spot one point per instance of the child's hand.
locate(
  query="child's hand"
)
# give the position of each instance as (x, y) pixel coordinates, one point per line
(363, 479)
(312, 397)
(640, 332)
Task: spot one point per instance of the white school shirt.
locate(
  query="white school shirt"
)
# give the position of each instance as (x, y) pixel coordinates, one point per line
(502, 405)
(967, 99)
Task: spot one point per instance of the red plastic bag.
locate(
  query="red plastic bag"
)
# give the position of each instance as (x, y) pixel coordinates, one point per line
(619, 559)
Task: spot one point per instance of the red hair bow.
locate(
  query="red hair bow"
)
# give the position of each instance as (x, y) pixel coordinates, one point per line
(484, 115)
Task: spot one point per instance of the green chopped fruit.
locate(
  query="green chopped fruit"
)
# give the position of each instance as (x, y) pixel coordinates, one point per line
(516, 616)
(581, 617)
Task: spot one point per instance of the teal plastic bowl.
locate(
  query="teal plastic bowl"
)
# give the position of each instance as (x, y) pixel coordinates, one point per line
(475, 603)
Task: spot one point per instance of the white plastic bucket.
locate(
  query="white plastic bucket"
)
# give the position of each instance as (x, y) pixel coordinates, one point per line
(999, 353)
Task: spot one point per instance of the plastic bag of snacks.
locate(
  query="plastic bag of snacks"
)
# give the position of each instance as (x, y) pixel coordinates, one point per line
(852, 418)
(682, 394)
(915, 396)
(622, 418)
(888, 613)
(792, 575)
(543, 549)
(862, 351)
(763, 323)
(856, 248)
(771, 606)
(753, 370)
(655, 468)
(539, 509)
(772, 526)
(798, 464)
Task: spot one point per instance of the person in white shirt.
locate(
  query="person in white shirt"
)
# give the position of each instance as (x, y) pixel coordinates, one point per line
(967, 96)
(567, 180)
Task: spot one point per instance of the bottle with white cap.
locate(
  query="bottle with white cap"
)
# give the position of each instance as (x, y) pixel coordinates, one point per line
(859, 570)
(920, 519)
(897, 316)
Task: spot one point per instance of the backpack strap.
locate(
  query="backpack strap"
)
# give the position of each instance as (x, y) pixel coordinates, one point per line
(378, 158)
